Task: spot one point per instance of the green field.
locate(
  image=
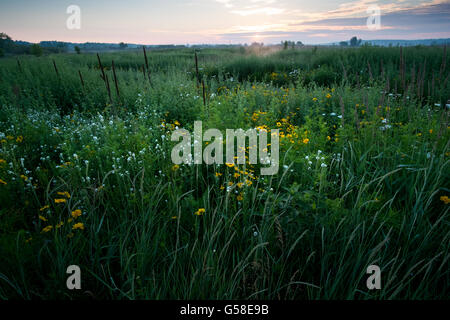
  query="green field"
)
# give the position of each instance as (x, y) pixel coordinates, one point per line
(86, 176)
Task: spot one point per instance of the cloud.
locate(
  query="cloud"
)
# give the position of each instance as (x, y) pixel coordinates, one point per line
(252, 7)
(226, 3)
(422, 21)
(266, 10)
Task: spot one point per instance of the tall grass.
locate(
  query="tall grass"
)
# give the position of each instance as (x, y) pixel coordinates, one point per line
(363, 177)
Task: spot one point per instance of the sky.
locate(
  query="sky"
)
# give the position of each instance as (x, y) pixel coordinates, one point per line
(224, 21)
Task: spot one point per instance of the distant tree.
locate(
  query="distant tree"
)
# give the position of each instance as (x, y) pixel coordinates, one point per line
(77, 49)
(5, 40)
(122, 45)
(36, 50)
(285, 45)
(354, 42)
(299, 44)
(343, 43)
(1, 53)
(4, 36)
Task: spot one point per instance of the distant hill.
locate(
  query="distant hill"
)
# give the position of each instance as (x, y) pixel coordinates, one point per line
(404, 43)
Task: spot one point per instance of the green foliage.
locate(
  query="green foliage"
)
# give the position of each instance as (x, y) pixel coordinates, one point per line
(36, 50)
(363, 176)
(354, 42)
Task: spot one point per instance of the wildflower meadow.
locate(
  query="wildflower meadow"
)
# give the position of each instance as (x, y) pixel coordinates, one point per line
(87, 178)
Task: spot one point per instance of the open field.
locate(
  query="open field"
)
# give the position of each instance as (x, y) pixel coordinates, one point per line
(86, 176)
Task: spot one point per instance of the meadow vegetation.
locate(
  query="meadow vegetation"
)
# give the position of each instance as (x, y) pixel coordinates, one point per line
(86, 176)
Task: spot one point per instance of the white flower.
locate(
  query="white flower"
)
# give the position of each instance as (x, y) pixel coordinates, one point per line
(323, 165)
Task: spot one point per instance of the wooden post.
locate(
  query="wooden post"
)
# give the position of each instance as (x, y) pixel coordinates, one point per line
(204, 93)
(20, 66)
(108, 88)
(115, 79)
(56, 69)
(146, 65)
(81, 78)
(196, 69)
(105, 78)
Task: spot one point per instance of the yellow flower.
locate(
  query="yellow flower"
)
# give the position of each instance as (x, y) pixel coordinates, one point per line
(314, 99)
(431, 131)
(230, 165)
(306, 141)
(175, 167)
(218, 174)
(200, 212)
(328, 96)
(78, 226)
(60, 200)
(59, 225)
(2, 161)
(176, 123)
(76, 213)
(445, 199)
(240, 197)
(278, 124)
(44, 208)
(65, 194)
(2, 182)
(47, 229)
(19, 139)
(9, 137)
(42, 218)
(25, 178)
(236, 175)
(328, 138)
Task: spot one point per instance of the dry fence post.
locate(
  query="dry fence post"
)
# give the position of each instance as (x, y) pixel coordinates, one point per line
(56, 69)
(19, 65)
(196, 69)
(115, 79)
(81, 78)
(204, 93)
(105, 78)
(444, 60)
(146, 65)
